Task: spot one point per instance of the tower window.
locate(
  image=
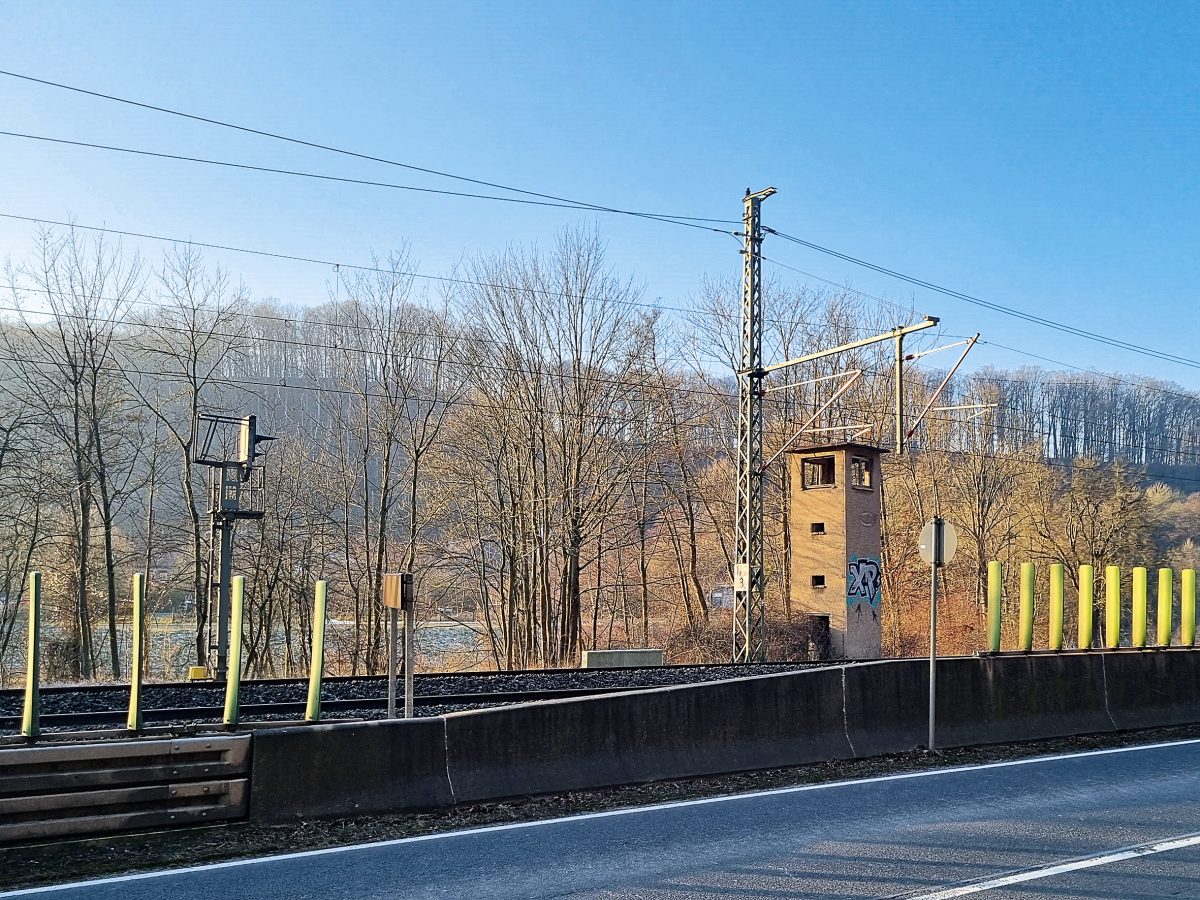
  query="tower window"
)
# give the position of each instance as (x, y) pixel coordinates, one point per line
(818, 581)
(818, 527)
(818, 472)
(860, 472)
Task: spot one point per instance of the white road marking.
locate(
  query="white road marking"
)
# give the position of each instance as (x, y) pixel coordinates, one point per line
(581, 817)
(1089, 862)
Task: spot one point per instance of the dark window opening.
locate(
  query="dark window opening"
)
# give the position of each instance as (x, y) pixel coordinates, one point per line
(818, 527)
(860, 472)
(818, 472)
(818, 581)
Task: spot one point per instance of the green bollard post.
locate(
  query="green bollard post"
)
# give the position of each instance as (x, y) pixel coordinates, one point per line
(1057, 601)
(134, 720)
(233, 681)
(1166, 592)
(1187, 607)
(1028, 583)
(1087, 599)
(1112, 607)
(995, 594)
(33, 659)
(317, 660)
(1140, 600)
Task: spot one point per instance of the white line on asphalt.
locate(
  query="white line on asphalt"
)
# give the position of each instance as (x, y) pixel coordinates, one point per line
(628, 811)
(1089, 862)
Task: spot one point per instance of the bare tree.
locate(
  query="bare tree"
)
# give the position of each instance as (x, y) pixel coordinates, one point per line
(179, 357)
(66, 355)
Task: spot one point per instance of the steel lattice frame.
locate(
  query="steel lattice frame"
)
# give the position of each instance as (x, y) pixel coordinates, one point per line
(749, 613)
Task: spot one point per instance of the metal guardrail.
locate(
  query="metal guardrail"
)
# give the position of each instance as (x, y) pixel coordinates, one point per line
(88, 789)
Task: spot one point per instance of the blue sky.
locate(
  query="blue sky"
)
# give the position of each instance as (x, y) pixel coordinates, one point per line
(1037, 155)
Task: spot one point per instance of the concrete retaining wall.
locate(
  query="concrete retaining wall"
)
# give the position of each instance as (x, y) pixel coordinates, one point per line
(724, 726)
(308, 771)
(736, 725)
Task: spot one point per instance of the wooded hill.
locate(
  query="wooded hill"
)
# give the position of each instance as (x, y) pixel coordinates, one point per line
(548, 451)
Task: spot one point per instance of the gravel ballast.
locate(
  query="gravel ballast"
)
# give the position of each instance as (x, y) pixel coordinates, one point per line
(108, 698)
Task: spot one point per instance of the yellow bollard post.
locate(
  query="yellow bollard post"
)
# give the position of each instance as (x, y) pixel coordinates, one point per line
(1166, 593)
(33, 659)
(995, 594)
(1087, 599)
(134, 721)
(233, 681)
(1138, 638)
(316, 664)
(1025, 624)
(1112, 607)
(1057, 601)
(1187, 607)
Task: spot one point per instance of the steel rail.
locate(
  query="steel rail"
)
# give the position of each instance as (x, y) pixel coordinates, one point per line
(89, 687)
(203, 714)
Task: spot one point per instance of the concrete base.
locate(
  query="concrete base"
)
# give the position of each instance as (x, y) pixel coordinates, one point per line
(618, 659)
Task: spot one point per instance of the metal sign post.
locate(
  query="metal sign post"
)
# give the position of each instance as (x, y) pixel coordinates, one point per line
(229, 446)
(937, 546)
(397, 597)
(392, 636)
(410, 626)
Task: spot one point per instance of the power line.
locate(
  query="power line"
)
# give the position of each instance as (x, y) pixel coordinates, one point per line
(289, 320)
(156, 328)
(333, 264)
(499, 286)
(611, 419)
(995, 307)
(674, 219)
(124, 370)
(364, 156)
(873, 297)
(1024, 430)
(1183, 394)
(1108, 376)
(345, 180)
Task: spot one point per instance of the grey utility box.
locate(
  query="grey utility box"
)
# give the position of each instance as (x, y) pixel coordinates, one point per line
(615, 659)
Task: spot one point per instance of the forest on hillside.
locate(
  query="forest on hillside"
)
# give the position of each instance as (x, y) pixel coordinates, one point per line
(548, 451)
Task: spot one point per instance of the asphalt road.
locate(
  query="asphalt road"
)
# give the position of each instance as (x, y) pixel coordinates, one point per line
(1048, 828)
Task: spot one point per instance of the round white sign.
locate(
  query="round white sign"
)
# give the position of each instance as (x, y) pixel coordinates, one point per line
(949, 543)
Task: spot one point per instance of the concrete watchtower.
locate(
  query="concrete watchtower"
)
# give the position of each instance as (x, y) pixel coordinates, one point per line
(836, 543)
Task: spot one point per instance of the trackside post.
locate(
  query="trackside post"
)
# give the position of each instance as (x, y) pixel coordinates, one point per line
(29, 715)
(1187, 607)
(1057, 601)
(1166, 591)
(995, 575)
(1139, 606)
(233, 681)
(316, 664)
(1112, 607)
(134, 720)
(1028, 582)
(1087, 598)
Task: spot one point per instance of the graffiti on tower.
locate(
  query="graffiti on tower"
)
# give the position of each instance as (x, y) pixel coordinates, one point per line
(864, 585)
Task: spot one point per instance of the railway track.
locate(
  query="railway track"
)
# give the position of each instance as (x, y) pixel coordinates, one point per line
(78, 707)
(165, 716)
